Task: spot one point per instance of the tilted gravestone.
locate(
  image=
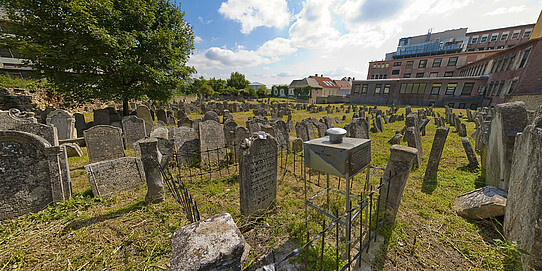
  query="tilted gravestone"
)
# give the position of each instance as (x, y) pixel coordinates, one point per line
(212, 143)
(436, 153)
(281, 134)
(359, 128)
(30, 174)
(186, 144)
(301, 131)
(104, 142)
(240, 134)
(134, 130)
(258, 173)
(109, 177)
(471, 155)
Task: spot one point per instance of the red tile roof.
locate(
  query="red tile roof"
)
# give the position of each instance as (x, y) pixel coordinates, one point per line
(325, 82)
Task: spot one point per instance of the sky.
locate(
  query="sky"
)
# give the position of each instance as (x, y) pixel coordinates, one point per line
(276, 41)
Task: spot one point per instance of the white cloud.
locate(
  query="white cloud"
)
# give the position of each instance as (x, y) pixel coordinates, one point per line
(276, 47)
(256, 13)
(313, 27)
(503, 10)
(221, 58)
(197, 39)
(203, 21)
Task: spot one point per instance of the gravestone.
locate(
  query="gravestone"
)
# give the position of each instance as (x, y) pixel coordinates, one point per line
(297, 145)
(151, 159)
(104, 142)
(212, 244)
(523, 211)
(144, 113)
(212, 143)
(134, 130)
(160, 132)
(185, 144)
(240, 134)
(109, 177)
(281, 134)
(301, 131)
(64, 122)
(48, 132)
(471, 155)
(30, 174)
(211, 115)
(73, 150)
(229, 131)
(414, 142)
(482, 203)
(379, 123)
(161, 115)
(436, 153)
(310, 128)
(396, 139)
(509, 120)
(13, 117)
(101, 117)
(258, 173)
(359, 128)
(80, 123)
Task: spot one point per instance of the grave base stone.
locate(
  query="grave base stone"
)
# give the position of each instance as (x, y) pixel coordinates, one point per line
(482, 203)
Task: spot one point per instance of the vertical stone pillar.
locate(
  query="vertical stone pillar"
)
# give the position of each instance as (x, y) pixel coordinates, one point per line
(436, 152)
(523, 211)
(473, 161)
(150, 156)
(398, 169)
(412, 137)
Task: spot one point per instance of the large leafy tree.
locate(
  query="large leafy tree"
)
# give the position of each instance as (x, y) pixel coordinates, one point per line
(238, 81)
(111, 50)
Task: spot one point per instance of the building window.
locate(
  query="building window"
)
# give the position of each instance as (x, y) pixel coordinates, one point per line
(484, 38)
(452, 61)
(403, 88)
(422, 63)
(527, 33)
(409, 88)
(409, 64)
(494, 37)
(387, 65)
(387, 88)
(357, 88)
(435, 88)
(437, 62)
(474, 40)
(504, 35)
(372, 76)
(524, 58)
(511, 62)
(513, 86)
(451, 105)
(499, 89)
(421, 90)
(406, 75)
(374, 66)
(385, 76)
(378, 88)
(433, 74)
(419, 75)
(395, 64)
(380, 76)
(467, 88)
(364, 89)
(415, 88)
(448, 74)
(450, 88)
(395, 72)
(515, 34)
(462, 105)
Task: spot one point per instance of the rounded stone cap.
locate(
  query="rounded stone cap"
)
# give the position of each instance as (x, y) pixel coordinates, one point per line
(336, 135)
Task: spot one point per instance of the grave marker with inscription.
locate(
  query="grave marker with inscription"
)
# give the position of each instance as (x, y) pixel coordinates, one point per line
(104, 142)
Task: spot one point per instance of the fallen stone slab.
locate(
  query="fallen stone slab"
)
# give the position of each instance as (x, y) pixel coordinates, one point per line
(212, 244)
(485, 202)
(73, 150)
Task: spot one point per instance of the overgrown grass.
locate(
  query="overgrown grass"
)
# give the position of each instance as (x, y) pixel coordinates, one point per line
(22, 83)
(124, 233)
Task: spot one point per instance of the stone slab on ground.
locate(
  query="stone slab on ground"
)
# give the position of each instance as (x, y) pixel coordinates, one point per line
(485, 202)
(212, 244)
(109, 177)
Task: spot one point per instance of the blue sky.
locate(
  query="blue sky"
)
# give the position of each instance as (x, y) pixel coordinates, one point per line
(276, 41)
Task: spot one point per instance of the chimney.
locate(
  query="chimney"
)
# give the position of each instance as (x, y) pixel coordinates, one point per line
(315, 75)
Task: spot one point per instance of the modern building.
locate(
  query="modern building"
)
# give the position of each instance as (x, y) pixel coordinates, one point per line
(255, 85)
(491, 65)
(11, 63)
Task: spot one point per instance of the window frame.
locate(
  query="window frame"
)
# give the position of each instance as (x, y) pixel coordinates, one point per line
(397, 63)
(466, 86)
(422, 63)
(378, 89)
(394, 72)
(364, 88)
(455, 58)
(446, 74)
(450, 88)
(434, 86)
(409, 64)
(386, 89)
(435, 63)
(420, 74)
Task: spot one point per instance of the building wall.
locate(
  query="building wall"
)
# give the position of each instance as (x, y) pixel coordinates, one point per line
(389, 69)
(532, 101)
(505, 37)
(400, 92)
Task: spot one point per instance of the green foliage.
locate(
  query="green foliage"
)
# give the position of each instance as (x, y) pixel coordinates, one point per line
(303, 92)
(277, 89)
(512, 253)
(262, 91)
(218, 85)
(15, 82)
(238, 81)
(110, 50)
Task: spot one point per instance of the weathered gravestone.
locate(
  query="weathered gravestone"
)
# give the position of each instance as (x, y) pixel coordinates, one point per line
(240, 134)
(301, 131)
(151, 159)
(229, 131)
(30, 174)
(359, 128)
(211, 115)
(13, 118)
(104, 142)
(134, 130)
(523, 212)
(109, 177)
(471, 155)
(160, 132)
(144, 113)
(509, 120)
(281, 134)
(258, 173)
(212, 143)
(297, 145)
(80, 123)
(48, 132)
(482, 203)
(185, 144)
(436, 153)
(101, 117)
(212, 244)
(64, 122)
(161, 116)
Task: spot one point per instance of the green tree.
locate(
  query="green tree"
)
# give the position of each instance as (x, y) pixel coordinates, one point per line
(262, 91)
(218, 85)
(238, 81)
(111, 50)
(303, 92)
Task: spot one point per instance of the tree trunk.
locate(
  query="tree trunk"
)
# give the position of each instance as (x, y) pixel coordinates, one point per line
(125, 108)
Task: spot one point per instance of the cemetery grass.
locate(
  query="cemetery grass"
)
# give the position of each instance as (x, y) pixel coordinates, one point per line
(124, 233)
